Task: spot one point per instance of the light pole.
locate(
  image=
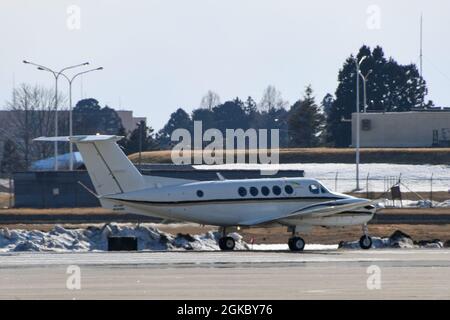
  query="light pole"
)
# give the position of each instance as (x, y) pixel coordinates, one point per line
(56, 75)
(365, 78)
(358, 65)
(70, 81)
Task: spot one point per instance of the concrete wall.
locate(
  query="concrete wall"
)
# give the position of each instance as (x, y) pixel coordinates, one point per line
(402, 129)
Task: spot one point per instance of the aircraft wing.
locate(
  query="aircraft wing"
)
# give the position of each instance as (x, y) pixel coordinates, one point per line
(321, 209)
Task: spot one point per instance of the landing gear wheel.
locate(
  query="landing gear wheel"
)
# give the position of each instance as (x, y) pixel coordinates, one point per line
(365, 242)
(226, 243)
(296, 244)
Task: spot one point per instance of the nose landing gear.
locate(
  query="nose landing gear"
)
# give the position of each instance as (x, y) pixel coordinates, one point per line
(365, 242)
(296, 244)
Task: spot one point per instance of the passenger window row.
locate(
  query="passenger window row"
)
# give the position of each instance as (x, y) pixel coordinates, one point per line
(276, 190)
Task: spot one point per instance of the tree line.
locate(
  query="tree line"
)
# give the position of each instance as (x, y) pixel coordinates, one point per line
(304, 123)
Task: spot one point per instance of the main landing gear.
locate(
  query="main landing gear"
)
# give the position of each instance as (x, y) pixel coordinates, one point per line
(296, 243)
(226, 243)
(365, 242)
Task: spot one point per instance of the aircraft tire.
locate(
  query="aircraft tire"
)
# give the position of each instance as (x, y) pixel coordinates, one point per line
(226, 243)
(296, 244)
(365, 242)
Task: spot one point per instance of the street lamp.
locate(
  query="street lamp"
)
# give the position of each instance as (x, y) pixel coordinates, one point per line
(365, 78)
(358, 66)
(70, 81)
(56, 75)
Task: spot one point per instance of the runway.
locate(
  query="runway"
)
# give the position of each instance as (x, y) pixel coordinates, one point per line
(331, 274)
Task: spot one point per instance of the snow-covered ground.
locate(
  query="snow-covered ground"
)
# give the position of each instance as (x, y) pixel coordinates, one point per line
(149, 237)
(341, 176)
(4, 184)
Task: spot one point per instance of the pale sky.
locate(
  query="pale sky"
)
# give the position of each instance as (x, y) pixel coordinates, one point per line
(165, 54)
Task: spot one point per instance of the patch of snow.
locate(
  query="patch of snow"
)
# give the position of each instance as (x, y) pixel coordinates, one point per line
(60, 239)
(397, 240)
(414, 204)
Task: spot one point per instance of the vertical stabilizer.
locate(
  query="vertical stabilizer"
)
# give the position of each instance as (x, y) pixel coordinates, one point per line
(110, 169)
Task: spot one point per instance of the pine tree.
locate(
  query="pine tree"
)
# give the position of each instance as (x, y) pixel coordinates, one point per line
(11, 161)
(391, 87)
(141, 138)
(305, 122)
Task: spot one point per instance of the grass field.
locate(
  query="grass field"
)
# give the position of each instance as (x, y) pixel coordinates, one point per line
(4, 200)
(334, 155)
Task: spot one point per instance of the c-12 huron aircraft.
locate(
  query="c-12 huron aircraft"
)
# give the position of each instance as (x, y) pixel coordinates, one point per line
(298, 203)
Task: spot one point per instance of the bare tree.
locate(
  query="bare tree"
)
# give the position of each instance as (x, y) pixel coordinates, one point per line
(210, 100)
(272, 100)
(31, 114)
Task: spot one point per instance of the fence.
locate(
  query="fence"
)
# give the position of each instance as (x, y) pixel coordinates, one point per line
(430, 192)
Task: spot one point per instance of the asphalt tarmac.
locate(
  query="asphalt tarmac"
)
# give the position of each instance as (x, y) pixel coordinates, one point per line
(330, 274)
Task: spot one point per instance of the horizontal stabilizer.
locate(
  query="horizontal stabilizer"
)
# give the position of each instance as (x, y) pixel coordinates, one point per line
(81, 139)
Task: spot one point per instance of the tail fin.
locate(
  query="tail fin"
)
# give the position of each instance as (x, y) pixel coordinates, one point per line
(110, 170)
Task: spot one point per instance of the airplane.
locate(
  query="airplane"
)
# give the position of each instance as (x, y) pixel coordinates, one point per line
(297, 203)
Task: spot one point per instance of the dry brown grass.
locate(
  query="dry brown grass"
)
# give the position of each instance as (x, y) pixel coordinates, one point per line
(71, 211)
(4, 200)
(333, 155)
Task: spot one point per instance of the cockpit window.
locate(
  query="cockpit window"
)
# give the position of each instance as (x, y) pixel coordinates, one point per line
(314, 188)
(323, 189)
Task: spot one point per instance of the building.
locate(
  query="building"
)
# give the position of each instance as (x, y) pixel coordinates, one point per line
(129, 122)
(419, 129)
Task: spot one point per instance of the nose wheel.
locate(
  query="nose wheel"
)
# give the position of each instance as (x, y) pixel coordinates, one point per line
(365, 242)
(296, 244)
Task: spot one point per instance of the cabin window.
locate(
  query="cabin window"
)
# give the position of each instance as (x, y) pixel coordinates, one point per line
(200, 193)
(265, 191)
(289, 189)
(242, 191)
(276, 190)
(314, 188)
(254, 191)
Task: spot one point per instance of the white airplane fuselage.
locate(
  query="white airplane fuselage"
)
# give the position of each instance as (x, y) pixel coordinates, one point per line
(220, 203)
